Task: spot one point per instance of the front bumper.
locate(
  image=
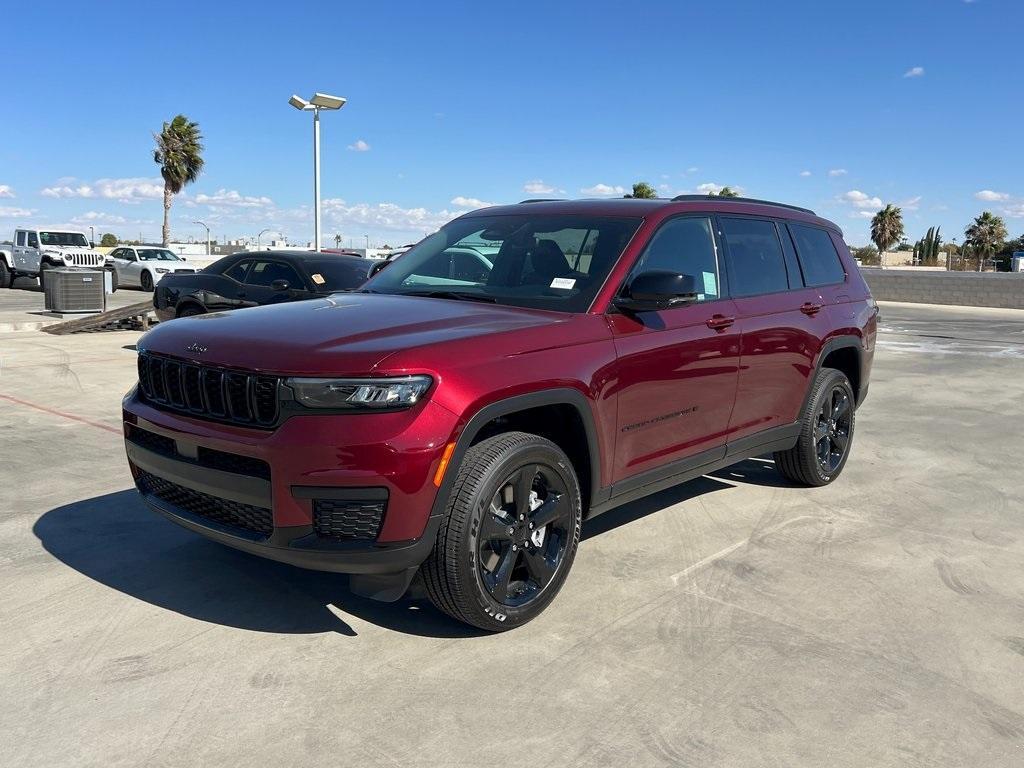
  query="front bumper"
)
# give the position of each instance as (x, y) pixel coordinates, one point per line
(269, 492)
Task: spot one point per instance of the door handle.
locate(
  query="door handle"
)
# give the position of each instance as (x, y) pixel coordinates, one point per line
(719, 322)
(811, 308)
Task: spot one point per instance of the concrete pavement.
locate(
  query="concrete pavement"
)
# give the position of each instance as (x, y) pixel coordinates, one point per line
(731, 621)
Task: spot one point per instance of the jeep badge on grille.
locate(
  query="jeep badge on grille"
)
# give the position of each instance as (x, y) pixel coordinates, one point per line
(196, 348)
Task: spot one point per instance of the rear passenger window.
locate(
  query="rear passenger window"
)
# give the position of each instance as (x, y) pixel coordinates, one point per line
(685, 245)
(755, 255)
(818, 256)
(237, 272)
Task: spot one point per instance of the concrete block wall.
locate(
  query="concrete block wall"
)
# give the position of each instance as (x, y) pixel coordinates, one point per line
(975, 289)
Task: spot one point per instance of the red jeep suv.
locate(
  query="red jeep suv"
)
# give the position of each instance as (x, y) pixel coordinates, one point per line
(519, 371)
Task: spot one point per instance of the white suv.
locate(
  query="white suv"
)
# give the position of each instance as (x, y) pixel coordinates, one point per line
(35, 251)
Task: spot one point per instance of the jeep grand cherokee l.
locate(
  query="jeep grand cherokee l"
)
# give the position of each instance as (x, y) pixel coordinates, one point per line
(461, 423)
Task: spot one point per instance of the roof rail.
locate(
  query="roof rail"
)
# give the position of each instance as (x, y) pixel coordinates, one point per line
(542, 200)
(717, 199)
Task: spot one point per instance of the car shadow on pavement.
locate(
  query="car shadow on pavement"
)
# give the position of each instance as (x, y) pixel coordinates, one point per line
(119, 542)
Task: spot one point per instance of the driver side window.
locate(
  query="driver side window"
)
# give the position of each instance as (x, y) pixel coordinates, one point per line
(685, 245)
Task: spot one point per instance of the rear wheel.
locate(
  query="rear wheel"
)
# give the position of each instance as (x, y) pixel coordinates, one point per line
(826, 433)
(190, 311)
(146, 281)
(6, 276)
(510, 533)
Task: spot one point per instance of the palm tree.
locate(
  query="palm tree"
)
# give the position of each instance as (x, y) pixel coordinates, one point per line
(179, 154)
(337, 241)
(887, 228)
(986, 233)
(728, 192)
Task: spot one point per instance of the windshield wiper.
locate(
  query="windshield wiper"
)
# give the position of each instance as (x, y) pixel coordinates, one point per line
(460, 295)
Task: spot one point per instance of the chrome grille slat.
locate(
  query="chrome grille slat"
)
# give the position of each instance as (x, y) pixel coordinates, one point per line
(210, 392)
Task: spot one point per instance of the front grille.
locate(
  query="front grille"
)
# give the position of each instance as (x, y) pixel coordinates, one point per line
(86, 259)
(224, 511)
(206, 457)
(208, 392)
(346, 519)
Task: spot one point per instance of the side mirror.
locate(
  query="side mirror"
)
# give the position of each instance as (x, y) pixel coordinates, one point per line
(378, 267)
(279, 286)
(651, 291)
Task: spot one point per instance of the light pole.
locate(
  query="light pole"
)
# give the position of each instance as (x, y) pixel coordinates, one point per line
(207, 235)
(92, 236)
(314, 105)
(367, 244)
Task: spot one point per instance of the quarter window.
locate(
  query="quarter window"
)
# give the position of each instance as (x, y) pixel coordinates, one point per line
(755, 255)
(818, 256)
(685, 245)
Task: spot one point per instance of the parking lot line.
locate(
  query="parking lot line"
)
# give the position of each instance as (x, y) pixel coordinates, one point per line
(62, 414)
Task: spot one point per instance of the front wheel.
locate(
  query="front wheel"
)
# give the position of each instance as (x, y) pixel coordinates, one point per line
(826, 433)
(6, 276)
(509, 535)
(147, 282)
(43, 269)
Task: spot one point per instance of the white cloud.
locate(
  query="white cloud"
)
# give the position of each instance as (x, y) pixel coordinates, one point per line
(837, 172)
(233, 199)
(129, 190)
(692, 169)
(914, 72)
(991, 197)
(388, 217)
(711, 188)
(6, 191)
(359, 146)
(805, 173)
(10, 212)
(1014, 210)
(96, 217)
(859, 199)
(603, 190)
(470, 202)
(911, 204)
(862, 215)
(538, 187)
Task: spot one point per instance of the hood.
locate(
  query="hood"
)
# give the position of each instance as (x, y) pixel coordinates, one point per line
(343, 334)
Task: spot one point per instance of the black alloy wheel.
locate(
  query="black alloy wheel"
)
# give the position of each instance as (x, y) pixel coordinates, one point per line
(832, 429)
(523, 535)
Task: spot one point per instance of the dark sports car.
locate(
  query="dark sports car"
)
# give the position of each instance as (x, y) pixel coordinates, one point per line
(252, 279)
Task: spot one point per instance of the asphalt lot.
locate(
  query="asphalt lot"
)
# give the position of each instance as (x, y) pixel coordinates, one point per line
(731, 621)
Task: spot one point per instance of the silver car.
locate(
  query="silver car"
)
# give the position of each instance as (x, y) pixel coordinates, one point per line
(142, 266)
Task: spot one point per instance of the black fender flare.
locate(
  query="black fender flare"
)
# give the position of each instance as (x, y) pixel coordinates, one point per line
(830, 346)
(554, 396)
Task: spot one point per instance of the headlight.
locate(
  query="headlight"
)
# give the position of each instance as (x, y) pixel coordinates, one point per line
(160, 270)
(397, 392)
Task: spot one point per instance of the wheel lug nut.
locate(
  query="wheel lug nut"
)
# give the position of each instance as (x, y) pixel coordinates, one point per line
(522, 517)
(515, 548)
(511, 530)
(531, 526)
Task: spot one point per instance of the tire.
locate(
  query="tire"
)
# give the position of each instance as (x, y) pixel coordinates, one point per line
(499, 571)
(826, 433)
(113, 281)
(146, 281)
(6, 276)
(191, 310)
(43, 269)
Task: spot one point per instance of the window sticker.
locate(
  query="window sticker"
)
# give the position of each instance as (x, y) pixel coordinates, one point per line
(710, 284)
(318, 278)
(565, 283)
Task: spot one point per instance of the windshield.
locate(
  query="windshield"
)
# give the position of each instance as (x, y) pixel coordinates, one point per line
(64, 239)
(157, 254)
(555, 262)
(340, 274)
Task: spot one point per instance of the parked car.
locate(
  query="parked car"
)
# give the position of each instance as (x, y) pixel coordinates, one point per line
(143, 266)
(462, 426)
(251, 279)
(34, 251)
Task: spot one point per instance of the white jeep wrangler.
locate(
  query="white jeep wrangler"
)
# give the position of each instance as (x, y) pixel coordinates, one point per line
(34, 251)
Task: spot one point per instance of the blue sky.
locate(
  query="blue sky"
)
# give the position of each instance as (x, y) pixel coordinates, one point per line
(837, 106)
